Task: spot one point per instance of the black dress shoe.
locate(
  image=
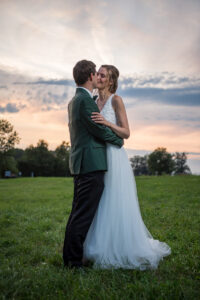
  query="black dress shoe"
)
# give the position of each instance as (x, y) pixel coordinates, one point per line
(87, 263)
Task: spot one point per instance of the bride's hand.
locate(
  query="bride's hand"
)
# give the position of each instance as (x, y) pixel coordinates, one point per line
(98, 118)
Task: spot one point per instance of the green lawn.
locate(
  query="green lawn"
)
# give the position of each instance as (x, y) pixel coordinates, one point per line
(33, 215)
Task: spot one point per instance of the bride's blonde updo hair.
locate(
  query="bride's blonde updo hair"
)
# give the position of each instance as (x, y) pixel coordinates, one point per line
(113, 77)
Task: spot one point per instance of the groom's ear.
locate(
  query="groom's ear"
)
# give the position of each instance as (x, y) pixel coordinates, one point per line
(90, 77)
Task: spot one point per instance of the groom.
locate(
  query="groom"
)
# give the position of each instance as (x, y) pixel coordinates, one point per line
(87, 161)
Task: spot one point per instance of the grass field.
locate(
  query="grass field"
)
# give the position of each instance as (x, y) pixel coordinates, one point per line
(33, 215)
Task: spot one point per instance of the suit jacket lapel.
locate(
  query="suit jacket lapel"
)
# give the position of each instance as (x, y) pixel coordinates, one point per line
(82, 91)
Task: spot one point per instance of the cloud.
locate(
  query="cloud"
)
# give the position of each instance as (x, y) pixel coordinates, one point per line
(155, 35)
(10, 75)
(11, 108)
(47, 38)
(65, 82)
(13, 76)
(155, 45)
(53, 94)
(184, 96)
(184, 118)
(162, 80)
(36, 93)
(166, 88)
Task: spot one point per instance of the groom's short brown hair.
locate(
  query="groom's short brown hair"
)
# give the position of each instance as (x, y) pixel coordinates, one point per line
(82, 71)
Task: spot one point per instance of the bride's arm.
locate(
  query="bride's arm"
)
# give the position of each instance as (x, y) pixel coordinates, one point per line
(122, 127)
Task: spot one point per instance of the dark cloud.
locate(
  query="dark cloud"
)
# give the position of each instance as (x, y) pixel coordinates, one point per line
(165, 78)
(65, 82)
(48, 94)
(189, 96)
(11, 108)
(13, 77)
(166, 88)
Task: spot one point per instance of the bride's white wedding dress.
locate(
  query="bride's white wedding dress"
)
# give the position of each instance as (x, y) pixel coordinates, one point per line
(117, 237)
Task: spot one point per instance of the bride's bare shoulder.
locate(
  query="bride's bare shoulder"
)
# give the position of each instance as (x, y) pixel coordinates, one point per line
(117, 101)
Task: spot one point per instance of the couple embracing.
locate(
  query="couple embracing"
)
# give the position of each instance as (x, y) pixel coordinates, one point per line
(105, 225)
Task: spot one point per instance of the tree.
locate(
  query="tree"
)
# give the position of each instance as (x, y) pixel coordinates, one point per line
(180, 166)
(8, 163)
(62, 159)
(40, 160)
(160, 162)
(17, 153)
(43, 162)
(8, 139)
(139, 165)
(45, 159)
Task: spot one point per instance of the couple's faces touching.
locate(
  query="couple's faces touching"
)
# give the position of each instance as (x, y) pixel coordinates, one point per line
(101, 79)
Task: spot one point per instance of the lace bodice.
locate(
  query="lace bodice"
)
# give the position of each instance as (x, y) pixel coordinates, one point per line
(108, 111)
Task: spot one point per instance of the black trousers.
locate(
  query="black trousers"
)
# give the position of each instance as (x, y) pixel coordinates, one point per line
(88, 189)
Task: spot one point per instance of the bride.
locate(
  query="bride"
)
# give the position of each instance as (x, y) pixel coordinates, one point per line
(117, 237)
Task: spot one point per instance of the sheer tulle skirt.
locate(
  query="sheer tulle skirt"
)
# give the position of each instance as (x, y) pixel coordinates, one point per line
(117, 237)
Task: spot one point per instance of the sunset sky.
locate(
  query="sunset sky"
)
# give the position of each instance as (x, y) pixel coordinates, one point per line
(155, 45)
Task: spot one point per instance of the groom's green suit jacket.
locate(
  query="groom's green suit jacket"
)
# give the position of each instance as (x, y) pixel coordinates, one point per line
(88, 139)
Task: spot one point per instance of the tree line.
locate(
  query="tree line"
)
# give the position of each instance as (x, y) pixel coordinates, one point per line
(160, 162)
(40, 161)
(34, 160)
